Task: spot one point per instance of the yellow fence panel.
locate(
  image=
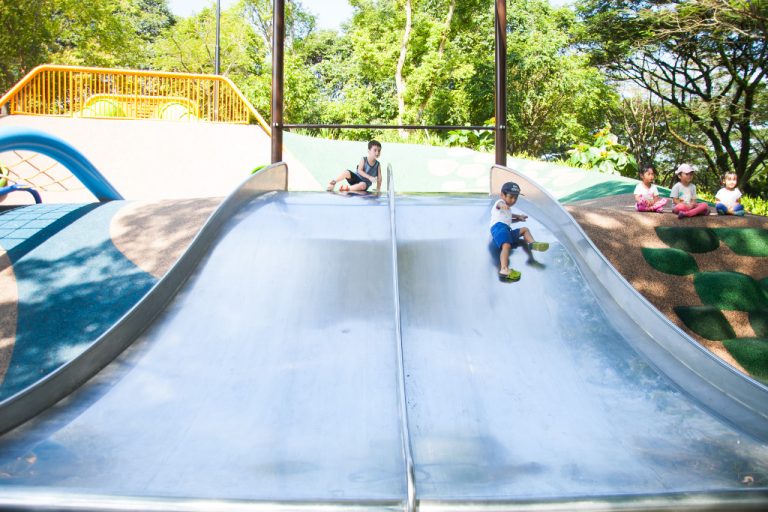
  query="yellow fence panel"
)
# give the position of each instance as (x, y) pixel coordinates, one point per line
(75, 91)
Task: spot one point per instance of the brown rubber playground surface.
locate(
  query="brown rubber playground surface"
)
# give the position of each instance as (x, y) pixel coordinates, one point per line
(620, 233)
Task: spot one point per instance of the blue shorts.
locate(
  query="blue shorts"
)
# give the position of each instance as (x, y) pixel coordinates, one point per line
(503, 234)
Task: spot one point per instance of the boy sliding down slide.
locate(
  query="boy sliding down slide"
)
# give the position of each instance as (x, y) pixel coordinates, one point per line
(507, 238)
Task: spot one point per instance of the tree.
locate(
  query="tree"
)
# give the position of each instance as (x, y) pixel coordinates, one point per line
(93, 33)
(705, 58)
(554, 96)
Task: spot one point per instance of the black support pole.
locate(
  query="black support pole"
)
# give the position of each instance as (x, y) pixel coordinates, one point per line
(501, 82)
(278, 49)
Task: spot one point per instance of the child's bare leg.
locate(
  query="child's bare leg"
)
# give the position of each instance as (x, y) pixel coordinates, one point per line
(504, 259)
(345, 175)
(358, 187)
(526, 234)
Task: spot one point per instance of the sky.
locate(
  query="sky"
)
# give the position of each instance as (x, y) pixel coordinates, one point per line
(330, 14)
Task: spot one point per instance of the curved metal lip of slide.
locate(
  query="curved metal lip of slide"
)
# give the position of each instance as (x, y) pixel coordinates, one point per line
(55, 386)
(726, 392)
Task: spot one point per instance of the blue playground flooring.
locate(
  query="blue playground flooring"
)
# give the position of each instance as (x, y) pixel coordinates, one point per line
(71, 287)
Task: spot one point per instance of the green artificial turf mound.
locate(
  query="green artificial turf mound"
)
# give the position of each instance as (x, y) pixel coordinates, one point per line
(696, 240)
(745, 241)
(706, 321)
(758, 319)
(670, 261)
(732, 291)
(752, 354)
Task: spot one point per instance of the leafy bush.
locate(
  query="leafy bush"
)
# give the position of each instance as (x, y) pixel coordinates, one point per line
(481, 139)
(605, 154)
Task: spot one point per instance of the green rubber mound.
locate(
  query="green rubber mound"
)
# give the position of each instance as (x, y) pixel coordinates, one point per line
(706, 321)
(759, 321)
(670, 261)
(752, 354)
(605, 189)
(696, 240)
(764, 284)
(731, 291)
(175, 111)
(745, 241)
(103, 108)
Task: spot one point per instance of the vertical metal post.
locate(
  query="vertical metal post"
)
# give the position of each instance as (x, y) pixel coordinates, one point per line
(501, 82)
(278, 41)
(217, 62)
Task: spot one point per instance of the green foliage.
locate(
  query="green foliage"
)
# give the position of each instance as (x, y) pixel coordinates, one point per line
(755, 205)
(482, 140)
(554, 95)
(670, 49)
(94, 33)
(605, 154)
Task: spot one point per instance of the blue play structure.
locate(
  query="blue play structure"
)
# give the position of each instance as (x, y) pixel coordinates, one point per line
(16, 187)
(20, 138)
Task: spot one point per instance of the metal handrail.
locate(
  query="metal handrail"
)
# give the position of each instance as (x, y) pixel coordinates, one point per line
(53, 90)
(392, 126)
(405, 432)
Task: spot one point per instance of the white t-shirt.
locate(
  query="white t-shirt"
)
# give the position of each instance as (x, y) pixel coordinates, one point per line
(501, 215)
(680, 191)
(728, 197)
(648, 193)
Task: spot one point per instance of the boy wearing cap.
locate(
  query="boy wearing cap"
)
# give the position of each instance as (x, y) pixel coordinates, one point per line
(504, 236)
(683, 194)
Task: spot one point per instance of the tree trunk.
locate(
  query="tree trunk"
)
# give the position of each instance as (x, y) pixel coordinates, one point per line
(399, 82)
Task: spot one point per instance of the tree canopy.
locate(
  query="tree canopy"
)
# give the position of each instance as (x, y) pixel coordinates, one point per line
(705, 58)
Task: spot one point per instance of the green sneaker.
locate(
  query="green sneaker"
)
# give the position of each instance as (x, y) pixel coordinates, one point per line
(539, 246)
(513, 275)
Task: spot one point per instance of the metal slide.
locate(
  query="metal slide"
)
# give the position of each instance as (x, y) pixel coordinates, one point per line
(546, 390)
(271, 381)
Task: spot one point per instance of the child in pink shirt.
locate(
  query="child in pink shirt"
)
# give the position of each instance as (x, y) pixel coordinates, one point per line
(647, 195)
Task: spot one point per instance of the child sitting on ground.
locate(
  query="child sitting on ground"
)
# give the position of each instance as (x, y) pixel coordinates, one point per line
(647, 195)
(729, 197)
(504, 236)
(683, 194)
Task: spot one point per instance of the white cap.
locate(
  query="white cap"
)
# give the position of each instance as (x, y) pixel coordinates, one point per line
(685, 168)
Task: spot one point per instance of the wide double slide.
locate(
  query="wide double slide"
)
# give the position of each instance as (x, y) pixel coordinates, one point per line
(315, 351)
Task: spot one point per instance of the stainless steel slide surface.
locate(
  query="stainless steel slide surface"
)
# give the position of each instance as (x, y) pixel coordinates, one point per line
(271, 381)
(272, 376)
(531, 390)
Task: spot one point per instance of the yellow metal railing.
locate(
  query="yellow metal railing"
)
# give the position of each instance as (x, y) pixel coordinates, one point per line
(74, 91)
